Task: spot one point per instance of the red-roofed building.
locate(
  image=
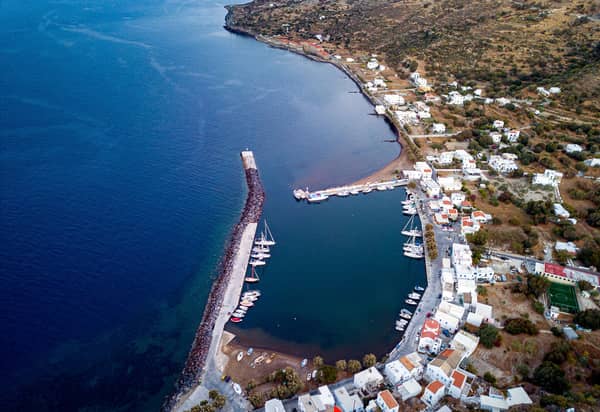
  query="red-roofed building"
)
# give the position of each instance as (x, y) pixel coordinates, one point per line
(429, 340)
(433, 393)
(553, 269)
(386, 402)
(457, 386)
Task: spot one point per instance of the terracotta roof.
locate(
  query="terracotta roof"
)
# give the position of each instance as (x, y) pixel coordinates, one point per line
(447, 353)
(453, 211)
(478, 213)
(466, 203)
(431, 329)
(434, 386)
(458, 379)
(554, 269)
(388, 399)
(407, 363)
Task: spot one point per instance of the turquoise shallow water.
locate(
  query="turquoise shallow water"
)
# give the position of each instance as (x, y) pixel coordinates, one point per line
(120, 130)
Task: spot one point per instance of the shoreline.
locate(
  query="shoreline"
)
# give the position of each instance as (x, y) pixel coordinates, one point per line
(216, 313)
(385, 172)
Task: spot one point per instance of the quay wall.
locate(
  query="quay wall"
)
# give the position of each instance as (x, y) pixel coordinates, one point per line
(212, 318)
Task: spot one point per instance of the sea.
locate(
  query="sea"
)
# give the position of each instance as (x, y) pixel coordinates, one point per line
(121, 124)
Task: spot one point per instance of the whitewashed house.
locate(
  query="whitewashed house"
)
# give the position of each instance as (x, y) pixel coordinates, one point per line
(502, 165)
(483, 274)
(457, 198)
(424, 168)
(496, 137)
(548, 178)
(386, 402)
(560, 211)
(542, 91)
(274, 405)
(554, 90)
(595, 162)
(442, 366)
(456, 98)
(448, 322)
(409, 389)
(431, 187)
(498, 124)
(373, 64)
(424, 114)
(458, 385)
(369, 378)
(447, 157)
(513, 135)
(379, 83)
(465, 342)
(438, 128)
(573, 148)
(433, 393)
(347, 402)
(429, 339)
(449, 183)
(393, 99)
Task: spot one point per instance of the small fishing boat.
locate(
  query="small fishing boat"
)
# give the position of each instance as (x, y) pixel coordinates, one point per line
(253, 278)
(314, 374)
(242, 308)
(419, 288)
(400, 328)
(414, 255)
(410, 302)
(406, 312)
(237, 388)
(409, 212)
(254, 292)
(308, 376)
(235, 319)
(300, 194)
(381, 188)
(354, 192)
(316, 197)
(250, 351)
(367, 190)
(414, 296)
(240, 355)
(239, 314)
(343, 193)
(246, 304)
(405, 316)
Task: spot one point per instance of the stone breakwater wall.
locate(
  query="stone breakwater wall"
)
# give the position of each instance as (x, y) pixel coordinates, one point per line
(197, 357)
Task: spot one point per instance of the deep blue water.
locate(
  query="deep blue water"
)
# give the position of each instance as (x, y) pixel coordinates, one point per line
(120, 129)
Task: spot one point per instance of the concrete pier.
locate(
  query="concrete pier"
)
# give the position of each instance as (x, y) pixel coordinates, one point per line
(204, 366)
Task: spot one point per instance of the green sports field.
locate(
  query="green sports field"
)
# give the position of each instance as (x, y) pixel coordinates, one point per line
(563, 296)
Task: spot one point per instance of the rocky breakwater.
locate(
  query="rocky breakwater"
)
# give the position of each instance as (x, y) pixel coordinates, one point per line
(198, 355)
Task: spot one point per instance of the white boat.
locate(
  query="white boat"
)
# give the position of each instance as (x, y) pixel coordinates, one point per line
(308, 376)
(367, 190)
(419, 288)
(390, 187)
(410, 302)
(254, 292)
(250, 351)
(405, 316)
(381, 188)
(316, 197)
(314, 374)
(410, 212)
(414, 296)
(261, 249)
(246, 304)
(354, 192)
(406, 312)
(257, 262)
(413, 255)
(343, 193)
(250, 298)
(240, 355)
(400, 328)
(242, 308)
(253, 278)
(266, 237)
(260, 255)
(408, 203)
(304, 363)
(409, 228)
(401, 322)
(239, 314)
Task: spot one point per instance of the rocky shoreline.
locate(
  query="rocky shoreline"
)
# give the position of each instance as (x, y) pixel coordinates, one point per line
(197, 357)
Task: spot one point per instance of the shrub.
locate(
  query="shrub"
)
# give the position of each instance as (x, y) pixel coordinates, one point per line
(516, 326)
(327, 374)
(489, 378)
(369, 360)
(538, 307)
(488, 335)
(551, 377)
(589, 318)
(354, 366)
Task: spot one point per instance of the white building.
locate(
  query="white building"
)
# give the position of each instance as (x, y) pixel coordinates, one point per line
(461, 255)
(407, 117)
(429, 339)
(458, 385)
(560, 211)
(403, 369)
(456, 98)
(449, 183)
(474, 319)
(452, 309)
(424, 114)
(496, 137)
(548, 178)
(595, 162)
(369, 378)
(373, 64)
(418, 80)
(379, 83)
(481, 217)
(573, 148)
(502, 101)
(433, 393)
(502, 165)
(448, 322)
(447, 279)
(498, 124)
(468, 226)
(306, 403)
(438, 128)
(424, 168)
(465, 286)
(485, 311)
(274, 405)
(447, 157)
(568, 247)
(442, 366)
(457, 198)
(465, 342)
(430, 187)
(386, 402)
(347, 402)
(412, 174)
(542, 91)
(554, 90)
(483, 274)
(393, 99)
(513, 135)
(409, 389)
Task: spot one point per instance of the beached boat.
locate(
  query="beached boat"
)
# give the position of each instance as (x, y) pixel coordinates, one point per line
(367, 190)
(414, 296)
(381, 188)
(240, 355)
(316, 197)
(237, 388)
(354, 192)
(419, 288)
(253, 278)
(250, 351)
(343, 193)
(314, 374)
(235, 320)
(410, 302)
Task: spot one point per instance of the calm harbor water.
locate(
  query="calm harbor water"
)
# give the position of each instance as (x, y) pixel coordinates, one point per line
(120, 128)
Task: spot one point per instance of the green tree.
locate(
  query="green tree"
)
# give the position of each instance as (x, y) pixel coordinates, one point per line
(317, 361)
(354, 366)
(341, 365)
(537, 285)
(516, 326)
(585, 285)
(219, 401)
(589, 318)
(489, 377)
(558, 352)
(488, 335)
(551, 378)
(369, 360)
(327, 374)
(523, 370)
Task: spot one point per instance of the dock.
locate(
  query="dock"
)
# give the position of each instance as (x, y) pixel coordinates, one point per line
(343, 191)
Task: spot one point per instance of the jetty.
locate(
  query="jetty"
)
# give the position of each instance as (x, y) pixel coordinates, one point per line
(343, 191)
(205, 363)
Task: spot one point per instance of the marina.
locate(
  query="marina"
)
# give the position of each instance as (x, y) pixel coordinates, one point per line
(345, 191)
